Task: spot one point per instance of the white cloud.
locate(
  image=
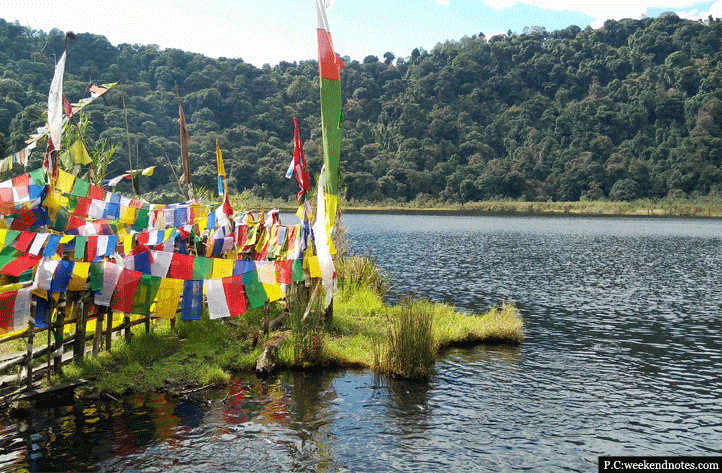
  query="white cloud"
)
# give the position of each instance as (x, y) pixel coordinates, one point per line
(602, 11)
(715, 10)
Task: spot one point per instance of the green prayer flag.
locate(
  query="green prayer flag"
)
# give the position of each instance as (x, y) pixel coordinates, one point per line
(80, 242)
(61, 222)
(80, 188)
(254, 289)
(297, 270)
(141, 219)
(202, 268)
(38, 177)
(145, 295)
(10, 236)
(7, 255)
(96, 276)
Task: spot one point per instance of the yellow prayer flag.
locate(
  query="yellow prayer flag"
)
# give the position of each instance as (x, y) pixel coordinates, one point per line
(219, 161)
(148, 171)
(80, 153)
(222, 268)
(127, 243)
(273, 291)
(80, 276)
(168, 297)
(66, 239)
(314, 268)
(65, 181)
(127, 214)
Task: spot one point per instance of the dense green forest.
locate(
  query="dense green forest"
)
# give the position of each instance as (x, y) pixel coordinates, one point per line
(630, 110)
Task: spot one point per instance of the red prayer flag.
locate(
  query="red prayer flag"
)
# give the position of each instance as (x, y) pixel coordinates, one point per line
(284, 271)
(235, 298)
(125, 290)
(181, 267)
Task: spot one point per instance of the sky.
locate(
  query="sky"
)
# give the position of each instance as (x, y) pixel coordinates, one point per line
(271, 31)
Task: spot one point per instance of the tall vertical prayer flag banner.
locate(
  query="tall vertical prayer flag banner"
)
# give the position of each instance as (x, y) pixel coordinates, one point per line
(55, 120)
(221, 172)
(185, 141)
(298, 164)
(329, 64)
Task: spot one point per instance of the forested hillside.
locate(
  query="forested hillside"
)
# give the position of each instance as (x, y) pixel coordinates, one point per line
(632, 110)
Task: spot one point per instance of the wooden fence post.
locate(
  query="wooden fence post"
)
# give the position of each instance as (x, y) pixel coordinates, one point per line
(108, 328)
(266, 308)
(126, 325)
(81, 317)
(60, 334)
(98, 337)
(31, 336)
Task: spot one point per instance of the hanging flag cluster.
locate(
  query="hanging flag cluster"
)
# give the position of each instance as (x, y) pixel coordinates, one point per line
(60, 233)
(140, 258)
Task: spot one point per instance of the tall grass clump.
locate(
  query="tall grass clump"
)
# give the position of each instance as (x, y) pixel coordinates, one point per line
(411, 349)
(307, 330)
(361, 272)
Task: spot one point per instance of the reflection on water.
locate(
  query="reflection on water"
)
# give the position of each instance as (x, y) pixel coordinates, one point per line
(622, 357)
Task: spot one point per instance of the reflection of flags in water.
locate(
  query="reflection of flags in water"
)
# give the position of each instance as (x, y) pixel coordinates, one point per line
(330, 65)
(298, 164)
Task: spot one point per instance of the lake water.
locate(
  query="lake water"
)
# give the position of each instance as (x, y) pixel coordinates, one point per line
(622, 356)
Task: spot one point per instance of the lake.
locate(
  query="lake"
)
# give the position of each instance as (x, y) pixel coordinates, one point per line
(621, 357)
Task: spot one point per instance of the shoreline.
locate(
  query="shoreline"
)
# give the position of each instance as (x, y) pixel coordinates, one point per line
(663, 209)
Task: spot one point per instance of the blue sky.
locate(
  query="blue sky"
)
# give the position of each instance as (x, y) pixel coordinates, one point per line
(271, 31)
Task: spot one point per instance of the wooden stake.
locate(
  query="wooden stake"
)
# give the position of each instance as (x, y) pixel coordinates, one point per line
(97, 339)
(126, 325)
(266, 308)
(60, 327)
(108, 328)
(81, 318)
(31, 335)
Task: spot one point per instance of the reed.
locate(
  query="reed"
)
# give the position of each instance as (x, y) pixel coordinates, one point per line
(307, 331)
(411, 349)
(357, 272)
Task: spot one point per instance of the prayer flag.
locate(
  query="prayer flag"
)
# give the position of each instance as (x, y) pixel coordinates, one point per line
(254, 289)
(125, 290)
(168, 297)
(330, 65)
(111, 273)
(236, 300)
(192, 300)
(185, 139)
(148, 287)
(298, 164)
(217, 305)
(221, 171)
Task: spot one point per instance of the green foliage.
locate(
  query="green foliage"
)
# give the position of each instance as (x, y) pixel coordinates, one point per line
(538, 116)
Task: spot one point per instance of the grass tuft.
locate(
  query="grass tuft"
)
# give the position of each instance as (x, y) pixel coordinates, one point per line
(411, 351)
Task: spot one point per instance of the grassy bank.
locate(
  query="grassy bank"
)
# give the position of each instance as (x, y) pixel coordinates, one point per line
(364, 332)
(701, 207)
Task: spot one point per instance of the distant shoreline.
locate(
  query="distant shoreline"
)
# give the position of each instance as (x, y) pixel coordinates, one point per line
(644, 208)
